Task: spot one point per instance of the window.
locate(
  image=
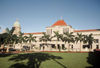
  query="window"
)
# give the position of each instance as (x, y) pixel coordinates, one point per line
(49, 31)
(72, 46)
(63, 46)
(65, 30)
(53, 46)
(97, 46)
(85, 46)
(96, 40)
(58, 46)
(40, 46)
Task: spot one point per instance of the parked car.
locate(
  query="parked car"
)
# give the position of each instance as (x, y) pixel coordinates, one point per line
(12, 49)
(25, 48)
(3, 49)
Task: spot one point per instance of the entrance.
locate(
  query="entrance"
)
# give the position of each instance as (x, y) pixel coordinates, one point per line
(97, 46)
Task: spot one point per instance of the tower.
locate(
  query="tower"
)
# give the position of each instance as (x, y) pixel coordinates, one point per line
(17, 28)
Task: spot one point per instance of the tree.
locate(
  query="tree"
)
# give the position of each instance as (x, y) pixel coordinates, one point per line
(8, 38)
(20, 40)
(45, 38)
(31, 39)
(80, 38)
(58, 37)
(69, 37)
(15, 40)
(89, 39)
(25, 39)
(2, 38)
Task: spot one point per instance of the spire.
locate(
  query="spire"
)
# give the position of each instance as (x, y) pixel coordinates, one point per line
(61, 18)
(16, 24)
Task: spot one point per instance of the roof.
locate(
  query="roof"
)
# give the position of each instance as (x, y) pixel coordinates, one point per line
(86, 30)
(59, 23)
(34, 33)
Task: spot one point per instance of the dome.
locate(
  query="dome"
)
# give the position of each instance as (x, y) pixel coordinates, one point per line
(59, 23)
(16, 24)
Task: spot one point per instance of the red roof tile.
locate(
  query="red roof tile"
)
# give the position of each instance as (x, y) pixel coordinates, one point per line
(59, 23)
(33, 33)
(86, 30)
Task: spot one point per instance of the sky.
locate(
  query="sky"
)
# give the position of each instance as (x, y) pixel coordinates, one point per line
(36, 15)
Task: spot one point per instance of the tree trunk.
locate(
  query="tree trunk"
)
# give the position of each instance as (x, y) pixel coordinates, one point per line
(56, 44)
(90, 47)
(65, 47)
(7, 48)
(75, 47)
(2, 47)
(30, 46)
(21, 47)
(14, 45)
(80, 46)
(68, 47)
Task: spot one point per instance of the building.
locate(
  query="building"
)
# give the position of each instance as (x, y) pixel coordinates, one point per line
(61, 26)
(17, 28)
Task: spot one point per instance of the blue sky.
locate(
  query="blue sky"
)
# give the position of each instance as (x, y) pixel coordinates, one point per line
(36, 15)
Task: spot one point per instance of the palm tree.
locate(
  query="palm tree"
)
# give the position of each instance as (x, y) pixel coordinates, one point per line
(25, 39)
(89, 39)
(45, 38)
(31, 39)
(59, 37)
(20, 40)
(5, 40)
(80, 38)
(68, 37)
(9, 38)
(15, 40)
(2, 38)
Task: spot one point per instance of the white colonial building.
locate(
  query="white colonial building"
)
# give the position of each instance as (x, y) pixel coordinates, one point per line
(54, 45)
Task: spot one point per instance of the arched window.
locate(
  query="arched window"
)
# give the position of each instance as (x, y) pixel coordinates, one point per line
(65, 30)
(49, 31)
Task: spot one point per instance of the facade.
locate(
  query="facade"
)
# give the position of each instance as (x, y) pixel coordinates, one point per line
(54, 45)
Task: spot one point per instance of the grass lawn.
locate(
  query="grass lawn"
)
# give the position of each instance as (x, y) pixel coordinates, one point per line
(45, 60)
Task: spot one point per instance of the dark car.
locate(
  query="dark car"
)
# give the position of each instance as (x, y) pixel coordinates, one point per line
(12, 49)
(25, 48)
